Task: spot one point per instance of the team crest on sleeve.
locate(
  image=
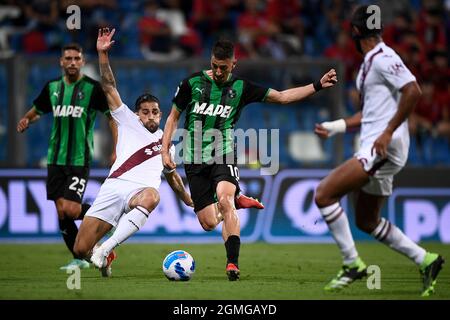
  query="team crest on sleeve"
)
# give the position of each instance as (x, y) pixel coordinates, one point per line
(396, 68)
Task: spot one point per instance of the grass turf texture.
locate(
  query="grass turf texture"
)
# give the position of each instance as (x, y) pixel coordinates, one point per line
(268, 271)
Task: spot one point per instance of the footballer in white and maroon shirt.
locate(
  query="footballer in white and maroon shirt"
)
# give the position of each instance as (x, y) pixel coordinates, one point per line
(389, 93)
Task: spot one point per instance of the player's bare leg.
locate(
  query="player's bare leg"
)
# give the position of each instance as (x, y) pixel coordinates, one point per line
(225, 194)
(209, 217)
(368, 208)
(225, 233)
(91, 231)
(347, 177)
(141, 205)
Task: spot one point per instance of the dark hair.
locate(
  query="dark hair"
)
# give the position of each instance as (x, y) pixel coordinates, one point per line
(72, 46)
(146, 97)
(223, 49)
(359, 21)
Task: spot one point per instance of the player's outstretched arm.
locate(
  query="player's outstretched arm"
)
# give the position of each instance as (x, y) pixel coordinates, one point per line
(330, 128)
(104, 43)
(176, 183)
(169, 129)
(328, 80)
(410, 96)
(29, 117)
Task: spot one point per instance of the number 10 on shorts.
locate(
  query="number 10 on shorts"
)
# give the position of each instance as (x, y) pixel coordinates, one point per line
(234, 171)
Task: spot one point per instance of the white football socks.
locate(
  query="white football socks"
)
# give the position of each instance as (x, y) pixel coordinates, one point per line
(339, 227)
(393, 237)
(128, 224)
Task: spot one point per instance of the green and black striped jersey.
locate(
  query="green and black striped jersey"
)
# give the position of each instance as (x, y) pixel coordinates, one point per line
(211, 105)
(74, 109)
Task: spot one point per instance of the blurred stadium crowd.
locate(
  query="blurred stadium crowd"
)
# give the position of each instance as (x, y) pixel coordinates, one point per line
(171, 30)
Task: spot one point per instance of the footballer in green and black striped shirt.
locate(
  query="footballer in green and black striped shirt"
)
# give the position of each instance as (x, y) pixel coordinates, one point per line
(74, 100)
(214, 99)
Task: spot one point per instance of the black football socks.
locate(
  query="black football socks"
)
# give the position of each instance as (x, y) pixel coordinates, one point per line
(232, 246)
(84, 208)
(69, 231)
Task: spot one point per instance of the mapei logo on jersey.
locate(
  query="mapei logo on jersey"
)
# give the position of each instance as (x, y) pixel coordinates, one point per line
(66, 111)
(212, 109)
(156, 148)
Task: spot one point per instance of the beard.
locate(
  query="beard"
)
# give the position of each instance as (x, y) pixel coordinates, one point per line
(72, 73)
(151, 126)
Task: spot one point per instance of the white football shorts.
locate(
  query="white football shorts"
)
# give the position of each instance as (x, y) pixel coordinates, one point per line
(112, 200)
(381, 171)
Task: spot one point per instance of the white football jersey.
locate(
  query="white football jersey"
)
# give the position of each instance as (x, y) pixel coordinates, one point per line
(138, 150)
(379, 81)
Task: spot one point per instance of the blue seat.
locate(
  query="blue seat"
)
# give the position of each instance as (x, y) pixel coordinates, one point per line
(441, 151)
(414, 157)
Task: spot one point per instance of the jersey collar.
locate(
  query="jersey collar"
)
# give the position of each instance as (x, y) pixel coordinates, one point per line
(74, 83)
(230, 76)
(375, 49)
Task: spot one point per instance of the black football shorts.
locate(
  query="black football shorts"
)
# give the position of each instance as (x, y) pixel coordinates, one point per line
(68, 182)
(203, 180)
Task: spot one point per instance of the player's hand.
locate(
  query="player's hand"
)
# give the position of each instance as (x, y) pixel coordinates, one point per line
(104, 42)
(330, 128)
(321, 131)
(329, 79)
(380, 145)
(23, 125)
(167, 161)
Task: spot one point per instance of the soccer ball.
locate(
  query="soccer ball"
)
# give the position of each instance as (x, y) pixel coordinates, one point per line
(178, 266)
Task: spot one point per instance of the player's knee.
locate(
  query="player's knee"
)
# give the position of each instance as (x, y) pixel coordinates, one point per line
(226, 203)
(208, 224)
(150, 200)
(321, 197)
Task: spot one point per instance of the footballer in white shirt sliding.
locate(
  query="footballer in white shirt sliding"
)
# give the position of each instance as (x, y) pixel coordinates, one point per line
(130, 192)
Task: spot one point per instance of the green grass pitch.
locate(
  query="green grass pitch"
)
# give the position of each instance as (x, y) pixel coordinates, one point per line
(268, 271)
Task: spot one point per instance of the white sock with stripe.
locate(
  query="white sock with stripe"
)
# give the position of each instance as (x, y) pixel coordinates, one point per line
(339, 227)
(393, 237)
(128, 224)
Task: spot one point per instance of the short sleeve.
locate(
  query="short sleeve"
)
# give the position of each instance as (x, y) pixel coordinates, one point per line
(123, 116)
(98, 99)
(394, 71)
(42, 103)
(183, 96)
(254, 93)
